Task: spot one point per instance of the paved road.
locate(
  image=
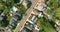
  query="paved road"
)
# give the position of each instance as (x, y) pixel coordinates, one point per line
(4, 29)
(23, 20)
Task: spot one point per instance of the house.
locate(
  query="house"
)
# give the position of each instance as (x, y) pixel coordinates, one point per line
(14, 9)
(40, 7)
(33, 18)
(36, 27)
(58, 22)
(1, 18)
(42, 2)
(13, 22)
(3, 14)
(57, 25)
(26, 30)
(16, 17)
(11, 25)
(29, 26)
(19, 13)
(40, 14)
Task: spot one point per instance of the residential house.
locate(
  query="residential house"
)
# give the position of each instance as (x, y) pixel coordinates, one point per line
(40, 7)
(31, 26)
(26, 30)
(36, 27)
(42, 2)
(33, 18)
(40, 14)
(57, 25)
(14, 9)
(13, 22)
(2, 16)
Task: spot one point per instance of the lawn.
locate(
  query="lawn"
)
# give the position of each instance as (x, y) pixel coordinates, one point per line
(45, 24)
(9, 18)
(53, 3)
(57, 12)
(49, 10)
(23, 9)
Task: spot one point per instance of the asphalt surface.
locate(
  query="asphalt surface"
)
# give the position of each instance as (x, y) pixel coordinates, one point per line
(23, 20)
(4, 29)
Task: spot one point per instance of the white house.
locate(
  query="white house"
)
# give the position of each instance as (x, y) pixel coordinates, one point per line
(40, 14)
(57, 25)
(40, 7)
(33, 18)
(14, 9)
(37, 28)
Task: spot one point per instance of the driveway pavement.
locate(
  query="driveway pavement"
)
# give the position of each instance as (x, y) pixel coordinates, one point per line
(23, 20)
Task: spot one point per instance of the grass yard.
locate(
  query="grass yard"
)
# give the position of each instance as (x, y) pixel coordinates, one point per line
(57, 10)
(23, 9)
(44, 24)
(9, 18)
(49, 10)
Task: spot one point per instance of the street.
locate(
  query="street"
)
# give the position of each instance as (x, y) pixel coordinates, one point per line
(23, 20)
(4, 29)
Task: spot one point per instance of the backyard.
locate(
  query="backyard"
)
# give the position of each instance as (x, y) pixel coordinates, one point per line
(45, 24)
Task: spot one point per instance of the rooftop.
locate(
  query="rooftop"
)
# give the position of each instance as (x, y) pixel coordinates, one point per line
(14, 9)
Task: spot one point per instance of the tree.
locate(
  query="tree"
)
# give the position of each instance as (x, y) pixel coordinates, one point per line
(57, 12)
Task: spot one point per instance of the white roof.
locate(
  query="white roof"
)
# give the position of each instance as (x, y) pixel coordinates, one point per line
(58, 22)
(40, 7)
(14, 9)
(36, 27)
(33, 17)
